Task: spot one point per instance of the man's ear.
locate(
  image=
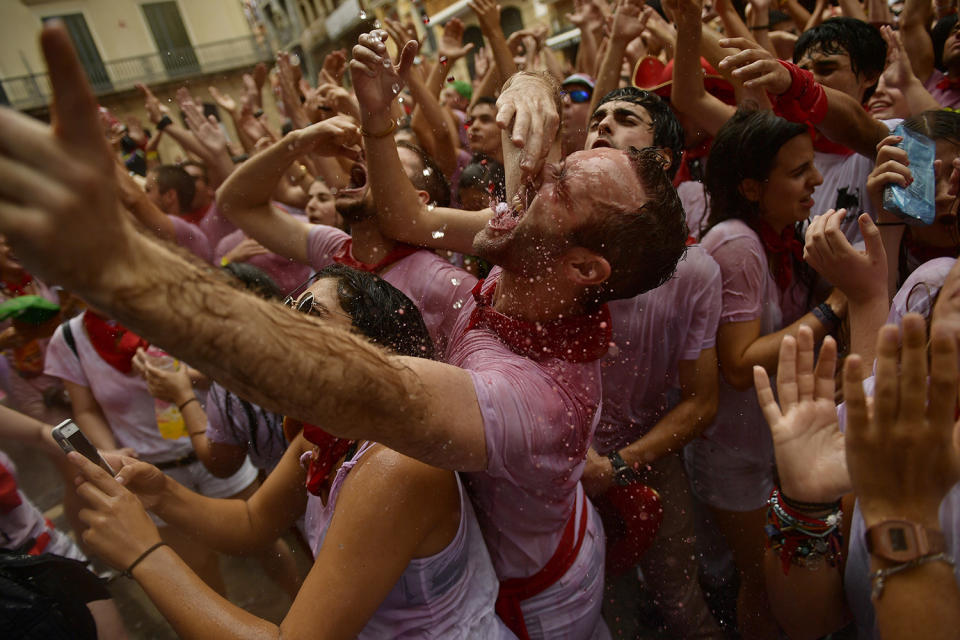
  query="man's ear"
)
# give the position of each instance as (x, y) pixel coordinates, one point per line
(424, 197)
(751, 189)
(584, 267)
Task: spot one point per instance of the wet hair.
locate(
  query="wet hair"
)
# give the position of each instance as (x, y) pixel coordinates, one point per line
(485, 100)
(745, 147)
(430, 178)
(861, 42)
(171, 176)
(642, 245)
(255, 280)
(482, 172)
(198, 165)
(938, 36)
(380, 311)
(667, 132)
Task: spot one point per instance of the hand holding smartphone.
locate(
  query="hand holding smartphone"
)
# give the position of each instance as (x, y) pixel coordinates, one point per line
(68, 435)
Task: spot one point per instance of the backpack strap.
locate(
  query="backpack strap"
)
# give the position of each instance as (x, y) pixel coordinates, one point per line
(68, 336)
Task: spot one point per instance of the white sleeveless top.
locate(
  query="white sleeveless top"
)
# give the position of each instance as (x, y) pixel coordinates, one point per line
(448, 595)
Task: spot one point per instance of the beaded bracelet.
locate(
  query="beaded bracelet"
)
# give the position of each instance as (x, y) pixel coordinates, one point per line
(800, 539)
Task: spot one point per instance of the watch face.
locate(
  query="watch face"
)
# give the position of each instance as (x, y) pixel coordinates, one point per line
(898, 539)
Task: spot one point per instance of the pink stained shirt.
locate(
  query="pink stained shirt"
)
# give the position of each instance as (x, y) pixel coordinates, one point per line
(749, 292)
(538, 420)
(438, 288)
(946, 97)
(215, 225)
(450, 594)
(652, 333)
(192, 238)
(285, 273)
(124, 399)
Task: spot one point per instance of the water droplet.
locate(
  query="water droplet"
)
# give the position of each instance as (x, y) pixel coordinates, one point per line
(427, 171)
(483, 162)
(400, 100)
(458, 304)
(437, 235)
(431, 207)
(377, 25)
(400, 311)
(395, 88)
(443, 59)
(454, 281)
(426, 20)
(386, 63)
(363, 15)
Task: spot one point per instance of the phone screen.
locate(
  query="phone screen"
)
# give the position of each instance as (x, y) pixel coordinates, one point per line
(70, 438)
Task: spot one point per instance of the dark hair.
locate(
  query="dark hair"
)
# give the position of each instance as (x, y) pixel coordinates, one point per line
(642, 245)
(171, 176)
(860, 41)
(380, 311)
(667, 132)
(254, 279)
(482, 172)
(198, 165)
(430, 178)
(745, 147)
(938, 36)
(485, 100)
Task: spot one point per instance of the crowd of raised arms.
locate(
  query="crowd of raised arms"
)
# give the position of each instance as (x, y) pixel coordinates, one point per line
(503, 355)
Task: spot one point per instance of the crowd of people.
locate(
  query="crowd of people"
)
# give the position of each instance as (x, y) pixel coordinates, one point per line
(499, 351)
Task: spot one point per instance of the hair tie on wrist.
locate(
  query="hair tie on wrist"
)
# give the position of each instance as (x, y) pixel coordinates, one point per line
(181, 406)
(164, 122)
(128, 572)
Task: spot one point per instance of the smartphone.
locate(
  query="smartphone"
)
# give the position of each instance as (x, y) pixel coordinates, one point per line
(70, 438)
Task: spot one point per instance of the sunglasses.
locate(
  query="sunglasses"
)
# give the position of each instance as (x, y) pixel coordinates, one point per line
(303, 305)
(578, 96)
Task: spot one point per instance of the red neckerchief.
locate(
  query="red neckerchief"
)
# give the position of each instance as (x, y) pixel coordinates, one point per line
(18, 288)
(194, 217)
(783, 249)
(926, 253)
(683, 172)
(948, 83)
(113, 342)
(344, 256)
(9, 496)
(579, 338)
(327, 451)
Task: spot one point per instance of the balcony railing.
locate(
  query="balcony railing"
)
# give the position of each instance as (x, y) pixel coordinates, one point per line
(31, 91)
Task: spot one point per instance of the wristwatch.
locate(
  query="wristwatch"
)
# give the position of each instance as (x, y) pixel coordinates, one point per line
(622, 474)
(902, 540)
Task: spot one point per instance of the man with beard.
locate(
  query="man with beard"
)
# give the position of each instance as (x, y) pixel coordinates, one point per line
(245, 199)
(612, 224)
(562, 250)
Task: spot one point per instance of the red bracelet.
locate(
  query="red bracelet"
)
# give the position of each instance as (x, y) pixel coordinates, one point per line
(805, 101)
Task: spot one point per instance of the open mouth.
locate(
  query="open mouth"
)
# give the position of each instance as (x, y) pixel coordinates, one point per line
(358, 181)
(506, 217)
(601, 142)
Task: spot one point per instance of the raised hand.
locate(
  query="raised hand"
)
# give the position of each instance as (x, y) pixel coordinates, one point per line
(57, 183)
(155, 109)
(629, 20)
(527, 109)
(807, 441)
(891, 167)
(337, 136)
(902, 460)
(376, 81)
(206, 129)
(169, 385)
(334, 66)
(861, 275)
(488, 14)
(755, 67)
(451, 46)
(223, 100)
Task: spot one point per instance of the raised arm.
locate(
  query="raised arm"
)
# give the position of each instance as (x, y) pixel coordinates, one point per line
(898, 74)
(843, 120)
(245, 197)
(914, 21)
(629, 21)
(273, 356)
(488, 15)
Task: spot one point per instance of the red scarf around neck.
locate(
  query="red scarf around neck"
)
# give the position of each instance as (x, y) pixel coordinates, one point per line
(113, 342)
(344, 256)
(578, 338)
(949, 83)
(782, 249)
(327, 451)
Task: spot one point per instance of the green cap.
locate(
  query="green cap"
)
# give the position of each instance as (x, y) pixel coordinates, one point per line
(463, 88)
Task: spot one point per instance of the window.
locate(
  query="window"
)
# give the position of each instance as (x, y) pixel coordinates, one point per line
(171, 38)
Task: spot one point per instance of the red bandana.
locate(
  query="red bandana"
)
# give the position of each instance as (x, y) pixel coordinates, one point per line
(114, 343)
(580, 338)
(782, 249)
(948, 83)
(326, 453)
(9, 496)
(345, 256)
(18, 288)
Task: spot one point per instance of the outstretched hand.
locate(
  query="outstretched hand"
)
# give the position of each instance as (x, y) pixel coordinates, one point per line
(755, 67)
(902, 459)
(376, 81)
(58, 200)
(860, 275)
(806, 434)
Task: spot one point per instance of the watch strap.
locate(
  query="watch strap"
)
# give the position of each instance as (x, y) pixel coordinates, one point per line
(622, 473)
(903, 540)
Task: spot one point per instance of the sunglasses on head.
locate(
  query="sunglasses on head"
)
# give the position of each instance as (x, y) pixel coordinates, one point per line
(578, 95)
